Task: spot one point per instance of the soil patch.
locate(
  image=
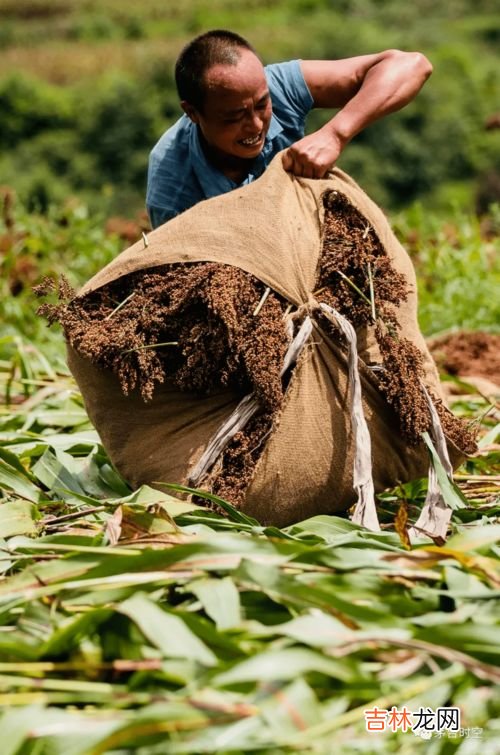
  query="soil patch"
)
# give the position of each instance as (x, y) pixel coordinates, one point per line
(466, 354)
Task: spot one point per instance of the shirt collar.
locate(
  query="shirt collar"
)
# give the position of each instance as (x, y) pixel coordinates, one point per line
(212, 181)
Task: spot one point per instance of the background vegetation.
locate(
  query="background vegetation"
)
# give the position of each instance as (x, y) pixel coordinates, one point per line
(86, 89)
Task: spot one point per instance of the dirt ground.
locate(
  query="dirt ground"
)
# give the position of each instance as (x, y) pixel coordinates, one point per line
(468, 355)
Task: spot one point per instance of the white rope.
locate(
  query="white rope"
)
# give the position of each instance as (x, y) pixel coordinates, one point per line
(365, 511)
(244, 412)
(435, 515)
(437, 434)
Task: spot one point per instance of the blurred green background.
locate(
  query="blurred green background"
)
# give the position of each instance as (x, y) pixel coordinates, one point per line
(86, 89)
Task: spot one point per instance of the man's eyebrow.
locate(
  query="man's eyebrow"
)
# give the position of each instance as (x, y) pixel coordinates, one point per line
(260, 101)
(235, 112)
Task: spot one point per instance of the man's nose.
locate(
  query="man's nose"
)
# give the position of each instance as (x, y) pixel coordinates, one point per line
(254, 121)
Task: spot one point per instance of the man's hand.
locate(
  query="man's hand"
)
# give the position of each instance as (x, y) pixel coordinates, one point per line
(314, 155)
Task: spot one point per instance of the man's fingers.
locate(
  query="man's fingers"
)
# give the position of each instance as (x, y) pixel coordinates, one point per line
(308, 171)
(321, 171)
(287, 161)
(303, 166)
(293, 164)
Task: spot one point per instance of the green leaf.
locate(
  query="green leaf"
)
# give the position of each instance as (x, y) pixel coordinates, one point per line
(147, 496)
(69, 633)
(18, 518)
(89, 475)
(490, 437)
(234, 514)
(273, 665)
(480, 641)
(70, 416)
(340, 531)
(18, 483)
(452, 495)
(13, 461)
(220, 599)
(113, 480)
(165, 630)
(319, 591)
(289, 709)
(53, 469)
(475, 538)
(315, 629)
(16, 724)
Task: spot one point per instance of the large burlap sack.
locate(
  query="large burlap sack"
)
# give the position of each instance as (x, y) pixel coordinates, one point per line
(272, 229)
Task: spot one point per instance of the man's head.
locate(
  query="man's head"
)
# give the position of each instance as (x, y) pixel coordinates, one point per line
(223, 89)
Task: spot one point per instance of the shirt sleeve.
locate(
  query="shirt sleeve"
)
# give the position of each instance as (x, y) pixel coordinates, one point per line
(159, 215)
(291, 98)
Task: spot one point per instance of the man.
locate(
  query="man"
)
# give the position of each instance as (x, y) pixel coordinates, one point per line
(239, 114)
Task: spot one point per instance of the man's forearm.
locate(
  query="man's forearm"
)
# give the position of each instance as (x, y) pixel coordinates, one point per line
(364, 89)
(387, 86)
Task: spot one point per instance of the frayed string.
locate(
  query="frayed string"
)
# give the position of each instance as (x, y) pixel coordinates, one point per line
(436, 514)
(365, 511)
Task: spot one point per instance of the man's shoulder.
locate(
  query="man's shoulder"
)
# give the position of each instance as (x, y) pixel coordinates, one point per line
(170, 162)
(172, 183)
(174, 142)
(283, 71)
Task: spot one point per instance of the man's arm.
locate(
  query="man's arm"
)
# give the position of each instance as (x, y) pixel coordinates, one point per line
(365, 89)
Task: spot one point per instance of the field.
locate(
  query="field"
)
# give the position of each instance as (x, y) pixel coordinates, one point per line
(131, 620)
(136, 622)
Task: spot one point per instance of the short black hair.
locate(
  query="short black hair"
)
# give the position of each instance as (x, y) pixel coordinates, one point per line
(216, 47)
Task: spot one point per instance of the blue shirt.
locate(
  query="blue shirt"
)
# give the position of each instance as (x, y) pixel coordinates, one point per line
(179, 174)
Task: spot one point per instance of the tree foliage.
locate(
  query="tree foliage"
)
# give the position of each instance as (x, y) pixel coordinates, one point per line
(91, 131)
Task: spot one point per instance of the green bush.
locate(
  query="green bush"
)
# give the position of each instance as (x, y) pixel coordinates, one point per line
(439, 137)
(117, 130)
(29, 106)
(64, 238)
(458, 269)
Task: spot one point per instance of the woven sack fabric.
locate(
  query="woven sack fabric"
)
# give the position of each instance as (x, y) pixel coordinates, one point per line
(271, 229)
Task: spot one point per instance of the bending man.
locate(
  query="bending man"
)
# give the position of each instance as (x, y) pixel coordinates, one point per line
(238, 114)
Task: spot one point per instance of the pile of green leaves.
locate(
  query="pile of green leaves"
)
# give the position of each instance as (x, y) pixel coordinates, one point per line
(134, 621)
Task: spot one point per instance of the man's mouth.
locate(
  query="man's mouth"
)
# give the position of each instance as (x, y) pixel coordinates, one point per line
(251, 141)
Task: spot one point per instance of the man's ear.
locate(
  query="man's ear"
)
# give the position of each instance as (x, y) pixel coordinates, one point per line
(190, 111)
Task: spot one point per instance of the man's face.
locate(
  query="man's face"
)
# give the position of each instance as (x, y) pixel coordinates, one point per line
(237, 110)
